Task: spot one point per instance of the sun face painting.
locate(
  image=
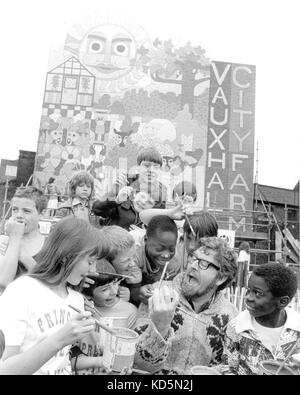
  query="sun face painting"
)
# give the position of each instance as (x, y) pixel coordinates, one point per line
(111, 53)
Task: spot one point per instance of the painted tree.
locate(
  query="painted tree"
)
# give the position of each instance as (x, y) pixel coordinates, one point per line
(185, 66)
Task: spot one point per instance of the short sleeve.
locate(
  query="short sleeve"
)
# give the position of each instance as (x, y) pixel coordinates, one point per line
(13, 314)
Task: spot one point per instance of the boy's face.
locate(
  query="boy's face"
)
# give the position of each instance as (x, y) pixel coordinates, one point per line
(142, 201)
(83, 191)
(106, 295)
(259, 299)
(25, 211)
(148, 171)
(124, 261)
(160, 247)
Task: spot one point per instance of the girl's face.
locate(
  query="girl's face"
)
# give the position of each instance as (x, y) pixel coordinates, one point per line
(24, 210)
(106, 295)
(83, 191)
(83, 267)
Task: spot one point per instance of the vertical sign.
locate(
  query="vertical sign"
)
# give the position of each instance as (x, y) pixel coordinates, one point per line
(230, 142)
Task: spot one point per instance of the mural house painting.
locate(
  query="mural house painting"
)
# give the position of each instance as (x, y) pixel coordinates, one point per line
(111, 91)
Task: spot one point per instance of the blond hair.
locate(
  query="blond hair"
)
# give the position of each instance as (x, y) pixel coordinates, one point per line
(119, 240)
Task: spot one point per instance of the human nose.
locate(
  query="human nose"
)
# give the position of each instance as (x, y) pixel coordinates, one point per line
(92, 268)
(249, 296)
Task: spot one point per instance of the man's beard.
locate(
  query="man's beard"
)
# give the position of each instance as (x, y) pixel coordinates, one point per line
(191, 294)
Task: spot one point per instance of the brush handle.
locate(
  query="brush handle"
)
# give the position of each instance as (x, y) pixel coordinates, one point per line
(105, 327)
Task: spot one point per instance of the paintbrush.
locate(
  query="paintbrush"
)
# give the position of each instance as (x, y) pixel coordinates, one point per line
(186, 217)
(105, 327)
(115, 274)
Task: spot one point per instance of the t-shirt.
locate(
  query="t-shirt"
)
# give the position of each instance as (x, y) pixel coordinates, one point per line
(243, 257)
(268, 336)
(30, 312)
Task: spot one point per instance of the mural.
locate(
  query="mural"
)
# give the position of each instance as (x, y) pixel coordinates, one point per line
(111, 91)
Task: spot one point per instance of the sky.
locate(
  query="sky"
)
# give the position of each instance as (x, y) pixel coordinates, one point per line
(261, 33)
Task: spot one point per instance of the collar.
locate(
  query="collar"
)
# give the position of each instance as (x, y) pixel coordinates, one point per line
(76, 202)
(244, 321)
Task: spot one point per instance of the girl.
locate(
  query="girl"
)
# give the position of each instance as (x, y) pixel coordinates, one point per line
(115, 311)
(35, 317)
(52, 192)
(23, 238)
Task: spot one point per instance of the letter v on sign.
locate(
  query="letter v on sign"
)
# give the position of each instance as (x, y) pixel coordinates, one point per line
(220, 79)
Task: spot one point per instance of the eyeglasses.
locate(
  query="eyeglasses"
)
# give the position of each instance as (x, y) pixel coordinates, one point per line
(203, 264)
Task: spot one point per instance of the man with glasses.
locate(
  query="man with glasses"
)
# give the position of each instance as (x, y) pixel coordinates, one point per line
(186, 320)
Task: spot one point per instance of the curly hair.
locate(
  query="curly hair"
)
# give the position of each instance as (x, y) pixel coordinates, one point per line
(79, 178)
(224, 256)
(281, 280)
(32, 193)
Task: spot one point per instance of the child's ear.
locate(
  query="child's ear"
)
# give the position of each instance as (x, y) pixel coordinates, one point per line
(283, 301)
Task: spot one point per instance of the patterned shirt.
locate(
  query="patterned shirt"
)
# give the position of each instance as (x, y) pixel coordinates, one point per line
(245, 350)
(193, 339)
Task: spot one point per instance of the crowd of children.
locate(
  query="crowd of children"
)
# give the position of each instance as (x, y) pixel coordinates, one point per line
(127, 261)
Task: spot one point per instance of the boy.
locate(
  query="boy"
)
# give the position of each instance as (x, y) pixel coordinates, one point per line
(155, 250)
(149, 161)
(268, 329)
(81, 189)
(23, 239)
(122, 256)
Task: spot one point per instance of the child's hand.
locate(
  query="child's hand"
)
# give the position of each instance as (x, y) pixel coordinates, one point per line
(14, 229)
(121, 179)
(75, 329)
(124, 293)
(296, 359)
(124, 194)
(87, 282)
(146, 292)
(177, 212)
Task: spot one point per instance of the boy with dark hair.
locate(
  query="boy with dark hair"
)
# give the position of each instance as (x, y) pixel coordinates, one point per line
(149, 161)
(268, 329)
(23, 239)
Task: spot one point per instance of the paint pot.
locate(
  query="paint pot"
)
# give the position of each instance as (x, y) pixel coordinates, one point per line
(270, 367)
(204, 371)
(119, 349)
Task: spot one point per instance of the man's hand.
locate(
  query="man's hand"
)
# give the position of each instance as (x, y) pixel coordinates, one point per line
(162, 307)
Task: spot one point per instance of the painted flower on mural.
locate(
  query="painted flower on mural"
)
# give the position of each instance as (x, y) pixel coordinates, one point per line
(71, 154)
